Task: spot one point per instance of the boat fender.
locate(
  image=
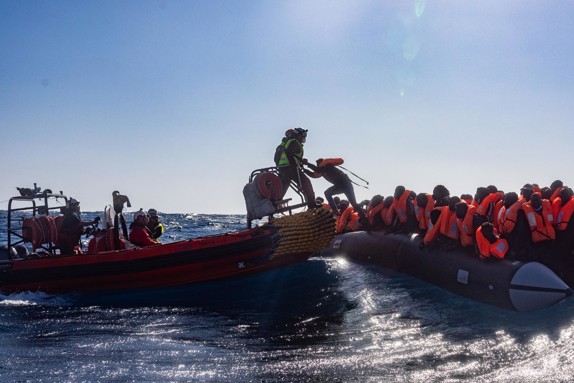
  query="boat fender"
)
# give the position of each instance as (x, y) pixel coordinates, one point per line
(269, 185)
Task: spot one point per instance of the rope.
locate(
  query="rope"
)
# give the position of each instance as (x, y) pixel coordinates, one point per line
(306, 232)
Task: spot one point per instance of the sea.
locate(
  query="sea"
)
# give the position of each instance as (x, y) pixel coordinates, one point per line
(323, 320)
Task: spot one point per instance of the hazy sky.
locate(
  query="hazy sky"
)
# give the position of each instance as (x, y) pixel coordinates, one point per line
(174, 103)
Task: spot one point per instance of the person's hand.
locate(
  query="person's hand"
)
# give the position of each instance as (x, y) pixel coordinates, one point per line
(96, 220)
(305, 162)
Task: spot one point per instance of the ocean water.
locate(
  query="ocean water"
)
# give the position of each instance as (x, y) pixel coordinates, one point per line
(324, 320)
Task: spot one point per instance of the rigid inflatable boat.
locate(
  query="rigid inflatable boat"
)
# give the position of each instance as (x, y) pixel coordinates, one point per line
(280, 242)
(507, 284)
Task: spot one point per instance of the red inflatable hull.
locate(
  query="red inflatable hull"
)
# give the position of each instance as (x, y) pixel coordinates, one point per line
(204, 259)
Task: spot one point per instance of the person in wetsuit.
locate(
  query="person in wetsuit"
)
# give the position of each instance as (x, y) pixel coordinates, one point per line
(341, 184)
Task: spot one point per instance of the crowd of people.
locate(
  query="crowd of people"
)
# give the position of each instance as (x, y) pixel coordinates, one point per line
(532, 225)
(145, 229)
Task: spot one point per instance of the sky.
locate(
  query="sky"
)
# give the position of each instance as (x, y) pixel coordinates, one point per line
(175, 103)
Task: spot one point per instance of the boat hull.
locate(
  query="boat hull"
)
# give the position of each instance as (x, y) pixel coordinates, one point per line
(507, 284)
(212, 258)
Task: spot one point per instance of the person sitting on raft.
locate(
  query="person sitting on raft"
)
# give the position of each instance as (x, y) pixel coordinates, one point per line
(139, 235)
(154, 227)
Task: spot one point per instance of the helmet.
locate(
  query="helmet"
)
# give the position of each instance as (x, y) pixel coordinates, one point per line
(152, 213)
(139, 213)
(300, 131)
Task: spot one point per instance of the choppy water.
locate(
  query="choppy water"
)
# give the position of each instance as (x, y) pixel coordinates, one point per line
(322, 320)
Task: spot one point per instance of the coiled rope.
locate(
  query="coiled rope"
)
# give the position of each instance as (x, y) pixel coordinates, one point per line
(305, 232)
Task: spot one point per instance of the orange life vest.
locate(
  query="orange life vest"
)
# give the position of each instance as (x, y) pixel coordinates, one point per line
(486, 249)
(399, 206)
(484, 207)
(564, 215)
(344, 220)
(507, 217)
(541, 225)
(465, 227)
(423, 215)
(556, 193)
(331, 161)
(445, 225)
(372, 212)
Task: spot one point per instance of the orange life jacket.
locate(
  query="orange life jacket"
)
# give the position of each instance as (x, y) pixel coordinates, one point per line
(331, 161)
(399, 206)
(556, 193)
(423, 215)
(497, 249)
(507, 217)
(484, 208)
(495, 212)
(465, 227)
(541, 225)
(344, 220)
(104, 241)
(445, 225)
(564, 215)
(448, 224)
(372, 212)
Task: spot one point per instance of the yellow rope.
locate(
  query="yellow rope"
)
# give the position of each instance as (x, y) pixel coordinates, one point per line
(306, 232)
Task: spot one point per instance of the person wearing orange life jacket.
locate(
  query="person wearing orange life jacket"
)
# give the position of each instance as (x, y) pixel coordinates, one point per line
(444, 232)
(374, 210)
(540, 219)
(465, 222)
(489, 243)
(402, 211)
(565, 234)
(441, 197)
(485, 201)
(423, 205)
(72, 228)
(290, 166)
(526, 192)
(344, 217)
(555, 188)
(466, 198)
(328, 169)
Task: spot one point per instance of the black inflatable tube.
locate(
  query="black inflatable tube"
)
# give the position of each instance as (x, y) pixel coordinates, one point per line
(507, 284)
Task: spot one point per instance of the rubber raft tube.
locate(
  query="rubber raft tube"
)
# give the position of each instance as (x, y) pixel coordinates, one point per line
(512, 285)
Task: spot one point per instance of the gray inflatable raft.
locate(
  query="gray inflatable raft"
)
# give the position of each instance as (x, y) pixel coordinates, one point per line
(512, 285)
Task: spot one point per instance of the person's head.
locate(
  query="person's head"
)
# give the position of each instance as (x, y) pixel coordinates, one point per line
(536, 202)
(481, 193)
(422, 200)
(452, 202)
(527, 191)
(491, 189)
(509, 199)
(152, 215)
(460, 209)
(488, 231)
(319, 160)
(440, 193)
(140, 217)
(566, 194)
(399, 190)
(289, 133)
(467, 198)
(555, 185)
(376, 200)
(388, 201)
(73, 205)
(546, 192)
(300, 134)
(319, 200)
(343, 205)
